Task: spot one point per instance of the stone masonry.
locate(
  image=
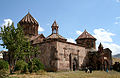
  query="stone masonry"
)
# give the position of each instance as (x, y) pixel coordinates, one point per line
(59, 55)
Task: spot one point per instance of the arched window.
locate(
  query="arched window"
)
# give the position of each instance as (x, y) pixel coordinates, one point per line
(54, 31)
(92, 44)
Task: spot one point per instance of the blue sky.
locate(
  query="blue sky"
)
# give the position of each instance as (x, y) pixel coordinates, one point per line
(101, 18)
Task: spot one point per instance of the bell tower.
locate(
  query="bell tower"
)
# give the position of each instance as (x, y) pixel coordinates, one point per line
(55, 28)
(55, 35)
(100, 48)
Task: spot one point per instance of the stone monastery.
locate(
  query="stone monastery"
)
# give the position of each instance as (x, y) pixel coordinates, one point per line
(57, 54)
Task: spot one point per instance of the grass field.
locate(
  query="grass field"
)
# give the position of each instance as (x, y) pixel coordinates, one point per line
(116, 60)
(70, 74)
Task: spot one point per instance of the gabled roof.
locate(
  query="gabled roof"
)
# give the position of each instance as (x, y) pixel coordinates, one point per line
(85, 35)
(55, 36)
(107, 50)
(28, 19)
(35, 37)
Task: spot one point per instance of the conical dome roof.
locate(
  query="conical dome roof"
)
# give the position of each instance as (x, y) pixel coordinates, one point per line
(85, 35)
(28, 19)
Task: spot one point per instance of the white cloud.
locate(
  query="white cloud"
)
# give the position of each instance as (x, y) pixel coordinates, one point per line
(71, 40)
(114, 47)
(117, 0)
(40, 29)
(7, 22)
(102, 35)
(117, 17)
(106, 38)
(117, 20)
(79, 32)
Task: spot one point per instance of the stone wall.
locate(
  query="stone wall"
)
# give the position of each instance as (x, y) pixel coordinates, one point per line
(87, 43)
(66, 54)
(30, 29)
(57, 55)
(108, 57)
(47, 55)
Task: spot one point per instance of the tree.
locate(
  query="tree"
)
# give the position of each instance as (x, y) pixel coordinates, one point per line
(21, 66)
(35, 65)
(16, 43)
(4, 65)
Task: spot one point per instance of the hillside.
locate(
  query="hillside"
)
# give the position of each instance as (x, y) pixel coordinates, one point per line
(116, 56)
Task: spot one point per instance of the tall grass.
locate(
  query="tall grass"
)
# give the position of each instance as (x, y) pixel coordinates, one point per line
(72, 74)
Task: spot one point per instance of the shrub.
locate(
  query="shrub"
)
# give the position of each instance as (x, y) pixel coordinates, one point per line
(38, 64)
(3, 73)
(4, 65)
(35, 65)
(22, 66)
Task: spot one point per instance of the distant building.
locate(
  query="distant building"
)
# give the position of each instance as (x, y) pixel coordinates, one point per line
(1, 55)
(4, 55)
(58, 54)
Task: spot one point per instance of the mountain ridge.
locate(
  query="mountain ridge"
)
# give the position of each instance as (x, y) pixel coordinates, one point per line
(116, 56)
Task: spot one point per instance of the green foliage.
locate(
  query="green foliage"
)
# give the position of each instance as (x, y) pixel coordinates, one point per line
(22, 66)
(35, 65)
(4, 65)
(16, 43)
(3, 69)
(38, 63)
(3, 74)
(13, 40)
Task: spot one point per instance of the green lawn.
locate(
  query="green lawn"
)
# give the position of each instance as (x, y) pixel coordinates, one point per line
(70, 74)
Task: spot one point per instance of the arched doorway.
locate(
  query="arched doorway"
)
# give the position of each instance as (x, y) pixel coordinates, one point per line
(75, 64)
(70, 61)
(106, 65)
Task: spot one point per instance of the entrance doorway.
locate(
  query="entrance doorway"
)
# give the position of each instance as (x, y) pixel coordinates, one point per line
(75, 64)
(106, 65)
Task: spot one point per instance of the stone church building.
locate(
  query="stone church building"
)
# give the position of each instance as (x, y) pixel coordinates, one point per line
(57, 54)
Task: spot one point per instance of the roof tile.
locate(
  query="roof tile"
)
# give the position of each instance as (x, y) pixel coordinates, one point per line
(28, 19)
(84, 35)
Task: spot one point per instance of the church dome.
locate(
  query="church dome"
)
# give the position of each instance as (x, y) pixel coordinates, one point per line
(85, 35)
(30, 25)
(86, 40)
(28, 19)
